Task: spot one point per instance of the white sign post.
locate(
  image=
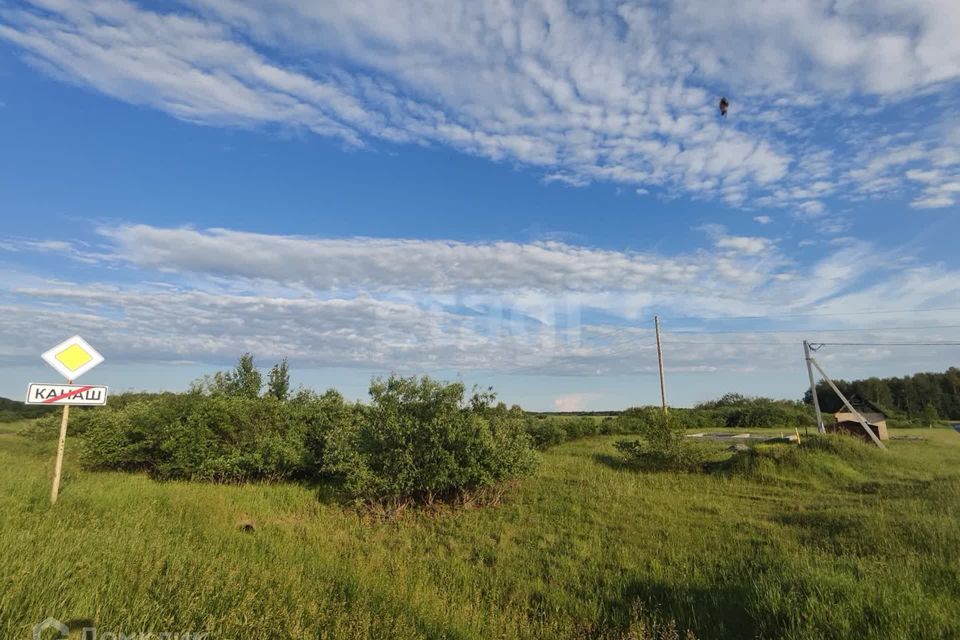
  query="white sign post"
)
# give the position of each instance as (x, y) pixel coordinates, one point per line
(71, 358)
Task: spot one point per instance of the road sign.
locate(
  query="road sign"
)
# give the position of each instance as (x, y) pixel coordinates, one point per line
(72, 358)
(85, 395)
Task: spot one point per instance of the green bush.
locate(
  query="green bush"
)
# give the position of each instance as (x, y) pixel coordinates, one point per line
(662, 446)
(741, 412)
(580, 427)
(419, 440)
(320, 415)
(219, 438)
(13, 410)
(545, 432)
(223, 430)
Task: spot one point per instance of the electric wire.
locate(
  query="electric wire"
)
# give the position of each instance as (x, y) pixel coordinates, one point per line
(869, 312)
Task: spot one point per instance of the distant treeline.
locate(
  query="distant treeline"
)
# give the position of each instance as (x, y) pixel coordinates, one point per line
(11, 410)
(733, 410)
(601, 414)
(920, 398)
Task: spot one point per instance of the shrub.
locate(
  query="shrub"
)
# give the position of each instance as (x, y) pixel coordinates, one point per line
(737, 411)
(545, 432)
(218, 438)
(129, 435)
(320, 415)
(234, 439)
(662, 447)
(580, 427)
(13, 410)
(418, 440)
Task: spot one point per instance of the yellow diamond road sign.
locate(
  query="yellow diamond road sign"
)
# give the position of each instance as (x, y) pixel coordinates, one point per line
(73, 357)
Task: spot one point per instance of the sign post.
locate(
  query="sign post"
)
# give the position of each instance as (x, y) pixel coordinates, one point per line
(71, 358)
(61, 442)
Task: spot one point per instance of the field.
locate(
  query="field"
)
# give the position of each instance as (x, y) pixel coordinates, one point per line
(840, 547)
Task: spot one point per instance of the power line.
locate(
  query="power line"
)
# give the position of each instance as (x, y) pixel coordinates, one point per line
(813, 345)
(758, 343)
(847, 330)
(886, 344)
(810, 314)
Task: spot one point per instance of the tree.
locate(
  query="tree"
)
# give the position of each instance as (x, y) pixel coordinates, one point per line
(278, 383)
(930, 416)
(242, 381)
(246, 381)
(905, 397)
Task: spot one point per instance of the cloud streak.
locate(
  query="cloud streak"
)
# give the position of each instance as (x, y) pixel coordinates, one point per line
(545, 308)
(620, 93)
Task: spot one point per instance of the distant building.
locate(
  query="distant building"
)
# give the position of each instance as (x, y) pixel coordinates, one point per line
(847, 422)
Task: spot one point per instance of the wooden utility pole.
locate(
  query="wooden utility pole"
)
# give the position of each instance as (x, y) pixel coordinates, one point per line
(813, 388)
(58, 466)
(663, 383)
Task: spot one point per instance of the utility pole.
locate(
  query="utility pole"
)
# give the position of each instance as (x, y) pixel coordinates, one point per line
(663, 384)
(843, 398)
(813, 388)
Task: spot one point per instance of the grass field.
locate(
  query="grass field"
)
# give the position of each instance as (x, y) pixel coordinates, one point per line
(866, 546)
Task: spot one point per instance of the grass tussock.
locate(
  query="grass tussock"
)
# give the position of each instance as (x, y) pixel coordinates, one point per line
(831, 457)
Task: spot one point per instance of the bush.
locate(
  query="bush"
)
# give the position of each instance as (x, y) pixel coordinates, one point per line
(129, 435)
(320, 415)
(418, 440)
(219, 438)
(662, 447)
(13, 410)
(737, 411)
(545, 432)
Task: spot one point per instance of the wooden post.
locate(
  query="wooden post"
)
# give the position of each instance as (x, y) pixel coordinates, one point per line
(663, 383)
(55, 490)
(813, 388)
(860, 418)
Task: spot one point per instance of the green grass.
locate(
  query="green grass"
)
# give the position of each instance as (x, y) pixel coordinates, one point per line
(863, 544)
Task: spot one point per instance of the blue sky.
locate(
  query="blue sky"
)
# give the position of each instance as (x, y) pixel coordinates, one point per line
(502, 193)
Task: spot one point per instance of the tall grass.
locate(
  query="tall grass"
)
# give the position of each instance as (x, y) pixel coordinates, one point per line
(861, 546)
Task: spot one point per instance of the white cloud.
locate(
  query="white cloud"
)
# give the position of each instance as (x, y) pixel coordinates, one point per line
(733, 245)
(571, 402)
(941, 189)
(883, 47)
(763, 219)
(811, 208)
(744, 244)
(621, 93)
(436, 266)
(413, 306)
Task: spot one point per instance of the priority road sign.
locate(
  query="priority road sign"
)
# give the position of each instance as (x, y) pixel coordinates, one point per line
(86, 395)
(72, 358)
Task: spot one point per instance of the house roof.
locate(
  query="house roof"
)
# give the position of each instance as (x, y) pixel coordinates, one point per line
(862, 405)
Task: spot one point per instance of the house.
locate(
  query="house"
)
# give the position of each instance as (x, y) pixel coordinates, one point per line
(847, 422)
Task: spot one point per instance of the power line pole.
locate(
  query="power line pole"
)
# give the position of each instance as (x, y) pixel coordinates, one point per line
(843, 398)
(813, 388)
(663, 383)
